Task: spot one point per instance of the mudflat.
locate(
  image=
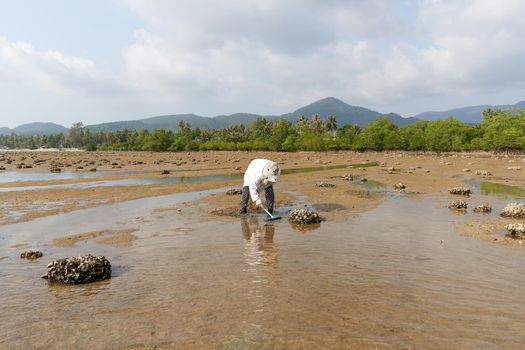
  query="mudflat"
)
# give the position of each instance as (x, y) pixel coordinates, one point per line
(390, 267)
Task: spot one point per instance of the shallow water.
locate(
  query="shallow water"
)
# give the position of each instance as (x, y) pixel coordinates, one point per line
(396, 277)
(127, 182)
(501, 191)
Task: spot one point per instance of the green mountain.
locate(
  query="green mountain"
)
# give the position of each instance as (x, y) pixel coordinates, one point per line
(345, 114)
(35, 129)
(470, 115)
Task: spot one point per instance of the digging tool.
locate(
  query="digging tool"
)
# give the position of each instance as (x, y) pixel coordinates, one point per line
(271, 217)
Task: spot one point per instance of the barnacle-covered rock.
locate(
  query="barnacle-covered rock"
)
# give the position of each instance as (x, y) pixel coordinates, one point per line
(459, 204)
(513, 210)
(483, 172)
(464, 191)
(304, 216)
(234, 192)
(324, 184)
(348, 177)
(81, 269)
(483, 208)
(516, 230)
(399, 186)
(31, 254)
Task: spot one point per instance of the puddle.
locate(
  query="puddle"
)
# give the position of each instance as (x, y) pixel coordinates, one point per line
(312, 169)
(500, 191)
(127, 182)
(364, 165)
(370, 282)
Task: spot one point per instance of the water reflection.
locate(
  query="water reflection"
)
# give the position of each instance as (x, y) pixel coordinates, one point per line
(260, 248)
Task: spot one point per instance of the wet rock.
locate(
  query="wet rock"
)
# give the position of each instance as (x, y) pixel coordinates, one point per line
(399, 186)
(234, 192)
(458, 204)
(348, 177)
(463, 191)
(324, 184)
(483, 172)
(165, 172)
(31, 254)
(514, 210)
(304, 216)
(2, 168)
(516, 230)
(238, 168)
(514, 168)
(93, 169)
(81, 269)
(55, 170)
(483, 208)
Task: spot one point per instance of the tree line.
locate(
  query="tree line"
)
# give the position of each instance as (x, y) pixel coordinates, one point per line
(499, 130)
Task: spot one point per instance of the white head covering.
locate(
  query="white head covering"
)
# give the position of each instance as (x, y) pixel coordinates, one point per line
(272, 172)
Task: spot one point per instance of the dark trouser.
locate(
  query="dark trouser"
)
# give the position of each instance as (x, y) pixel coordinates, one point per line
(268, 192)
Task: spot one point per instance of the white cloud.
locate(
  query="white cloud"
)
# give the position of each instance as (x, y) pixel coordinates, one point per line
(54, 70)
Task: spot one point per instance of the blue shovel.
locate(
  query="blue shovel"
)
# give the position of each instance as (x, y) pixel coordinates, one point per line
(271, 217)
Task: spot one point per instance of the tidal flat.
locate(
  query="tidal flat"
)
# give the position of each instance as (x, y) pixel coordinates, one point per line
(388, 268)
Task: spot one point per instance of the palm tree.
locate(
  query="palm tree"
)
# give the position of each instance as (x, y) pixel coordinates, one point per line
(302, 123)
(331, 124)
(317, 124)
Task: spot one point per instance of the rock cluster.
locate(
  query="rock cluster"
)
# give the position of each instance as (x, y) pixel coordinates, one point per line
(464, 191)
(30, 254)
(324, 184)
(483, 172)
(304, 216)
(165, 172)
(516, 230)
(81, 269)
(514, 210)
(459, 204)
(348, 177)
(234, 192)
(483, 208)
(399, 186)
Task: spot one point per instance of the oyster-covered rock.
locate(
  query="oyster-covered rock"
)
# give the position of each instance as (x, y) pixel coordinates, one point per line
(463, 191)
(483, 208)
(399, 186)
(81, 269)
(324, 184)
(234, 192)
(483, 172)
(304, 216)
(31, 254)
(459, 204)
(516, 230)
(348, 177)
(513, 210)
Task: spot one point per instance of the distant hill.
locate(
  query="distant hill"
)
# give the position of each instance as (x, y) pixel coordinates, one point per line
(471, 114)
(35, 129)
(345, 114)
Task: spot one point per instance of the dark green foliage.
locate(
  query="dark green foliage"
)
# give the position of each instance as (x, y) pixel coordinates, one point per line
(500, 130)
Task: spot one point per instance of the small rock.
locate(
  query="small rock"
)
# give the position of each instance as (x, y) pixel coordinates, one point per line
(516, 230)
(459, 204)
(31, 254)
(81, 269)
(234, 191)
(165, 172)
(514, 168)
(483, 208)
(399, 186)
(483, 172)
(324, 184)
(463, 191)
(304, 216)
(466, 170)
(514, 210)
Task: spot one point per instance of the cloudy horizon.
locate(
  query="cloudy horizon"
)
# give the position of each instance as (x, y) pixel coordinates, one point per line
(103, 61)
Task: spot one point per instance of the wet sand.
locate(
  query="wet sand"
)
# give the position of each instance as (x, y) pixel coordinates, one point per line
(387, 269)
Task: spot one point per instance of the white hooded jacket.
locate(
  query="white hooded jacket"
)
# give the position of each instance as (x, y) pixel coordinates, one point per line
(260, 174)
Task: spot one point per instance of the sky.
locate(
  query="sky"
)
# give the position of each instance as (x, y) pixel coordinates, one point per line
(98, 61)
